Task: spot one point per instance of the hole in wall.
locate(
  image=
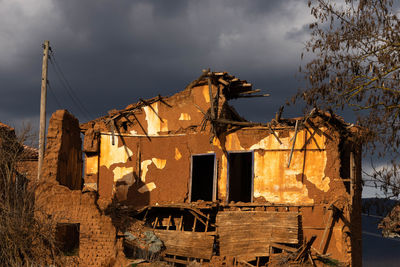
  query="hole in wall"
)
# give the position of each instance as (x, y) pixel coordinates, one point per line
(67, 238)
(202, 177)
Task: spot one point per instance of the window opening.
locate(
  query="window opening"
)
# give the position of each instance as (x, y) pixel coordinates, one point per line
(67, 238)
(202, 186)
(240, 176)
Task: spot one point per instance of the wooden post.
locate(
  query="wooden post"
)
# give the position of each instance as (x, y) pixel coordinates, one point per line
(352, 176)
(42, 127)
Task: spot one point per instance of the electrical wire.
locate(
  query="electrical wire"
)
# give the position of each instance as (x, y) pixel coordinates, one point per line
(67, 86)
(54, 95)
(64, 82)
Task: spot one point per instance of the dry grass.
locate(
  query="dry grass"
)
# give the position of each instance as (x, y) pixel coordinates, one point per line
(26, 234)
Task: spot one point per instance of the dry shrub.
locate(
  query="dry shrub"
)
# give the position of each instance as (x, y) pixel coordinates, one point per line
(26, 234)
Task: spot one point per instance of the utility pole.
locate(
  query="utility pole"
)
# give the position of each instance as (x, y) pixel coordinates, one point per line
(42, 127)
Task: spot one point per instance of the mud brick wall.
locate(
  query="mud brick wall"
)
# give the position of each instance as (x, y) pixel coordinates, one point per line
(63, 150)
(58, 195)
(97, 235)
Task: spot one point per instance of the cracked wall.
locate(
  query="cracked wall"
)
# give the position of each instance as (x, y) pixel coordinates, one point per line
(60, 196)
(149, 163)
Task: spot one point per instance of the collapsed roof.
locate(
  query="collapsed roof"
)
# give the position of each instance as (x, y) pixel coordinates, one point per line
(231, 88)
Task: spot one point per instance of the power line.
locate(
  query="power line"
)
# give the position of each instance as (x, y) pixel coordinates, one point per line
(54, 95)
(64, 82)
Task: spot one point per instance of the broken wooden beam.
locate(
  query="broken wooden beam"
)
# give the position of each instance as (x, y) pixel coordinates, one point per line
(149, 105)
(328, 225)
(294, 142)
(141, 126)
(239, 123)
(274, 134)
(279, 114)
(211, 97)
(251, 91)
(283, 247)
(303, 252)
(315, 128)
(223, 81)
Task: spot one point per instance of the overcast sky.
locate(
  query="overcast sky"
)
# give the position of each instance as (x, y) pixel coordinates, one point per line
(115, 52)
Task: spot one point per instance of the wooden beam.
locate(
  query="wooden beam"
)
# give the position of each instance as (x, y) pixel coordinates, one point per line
(168, 222)
(223, 81)
(194, 223)
(155, 223)
(315, 128)
(211, 98)
(148, 137)
(294, 142)
(305, 249)
(239, 123)
(273, 132)
(149, 105)
(283, 247)
(251, 92)
(327, 226)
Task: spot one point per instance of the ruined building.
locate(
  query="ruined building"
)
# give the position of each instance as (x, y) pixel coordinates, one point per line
(210, 185)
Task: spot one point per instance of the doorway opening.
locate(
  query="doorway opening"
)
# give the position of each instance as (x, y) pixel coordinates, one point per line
(202, 179)
(240, 176)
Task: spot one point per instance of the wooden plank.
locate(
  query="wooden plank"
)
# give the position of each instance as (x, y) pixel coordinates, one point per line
(187, 244)
(175, 260)
(327, 227)
(223, 81)
(251, 92)
(277, 219)
(251, 232)
(283, 247)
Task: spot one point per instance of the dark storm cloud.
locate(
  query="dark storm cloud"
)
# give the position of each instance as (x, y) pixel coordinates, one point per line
(114, 52)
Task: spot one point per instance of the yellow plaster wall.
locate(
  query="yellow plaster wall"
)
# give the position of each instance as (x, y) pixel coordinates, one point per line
(92, 164)
(154, 123)
(111, 154)
(273, 179)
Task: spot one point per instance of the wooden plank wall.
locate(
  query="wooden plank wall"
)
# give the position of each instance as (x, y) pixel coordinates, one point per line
(187, 244)
(251, 232)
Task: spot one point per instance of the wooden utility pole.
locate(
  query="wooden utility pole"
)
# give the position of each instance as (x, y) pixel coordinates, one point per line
(42, 127)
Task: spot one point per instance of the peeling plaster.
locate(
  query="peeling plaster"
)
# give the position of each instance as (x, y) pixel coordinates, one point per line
(160, 163)
(92, 186)
(92, 164)
(272, 179)
(125, 174)
(122, 174)
(144, 167)
(178, 154)
(206, 94)
(154, 123)
(185, 117)
(147, 187)
(112, 154)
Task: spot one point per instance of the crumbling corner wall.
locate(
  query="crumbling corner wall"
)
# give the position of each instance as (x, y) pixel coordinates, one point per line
(60, 197)
(63, 159)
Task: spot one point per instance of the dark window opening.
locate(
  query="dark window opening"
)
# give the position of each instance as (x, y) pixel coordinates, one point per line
(202, 177)
(67, 238)
(345, 168)
(240, 176)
